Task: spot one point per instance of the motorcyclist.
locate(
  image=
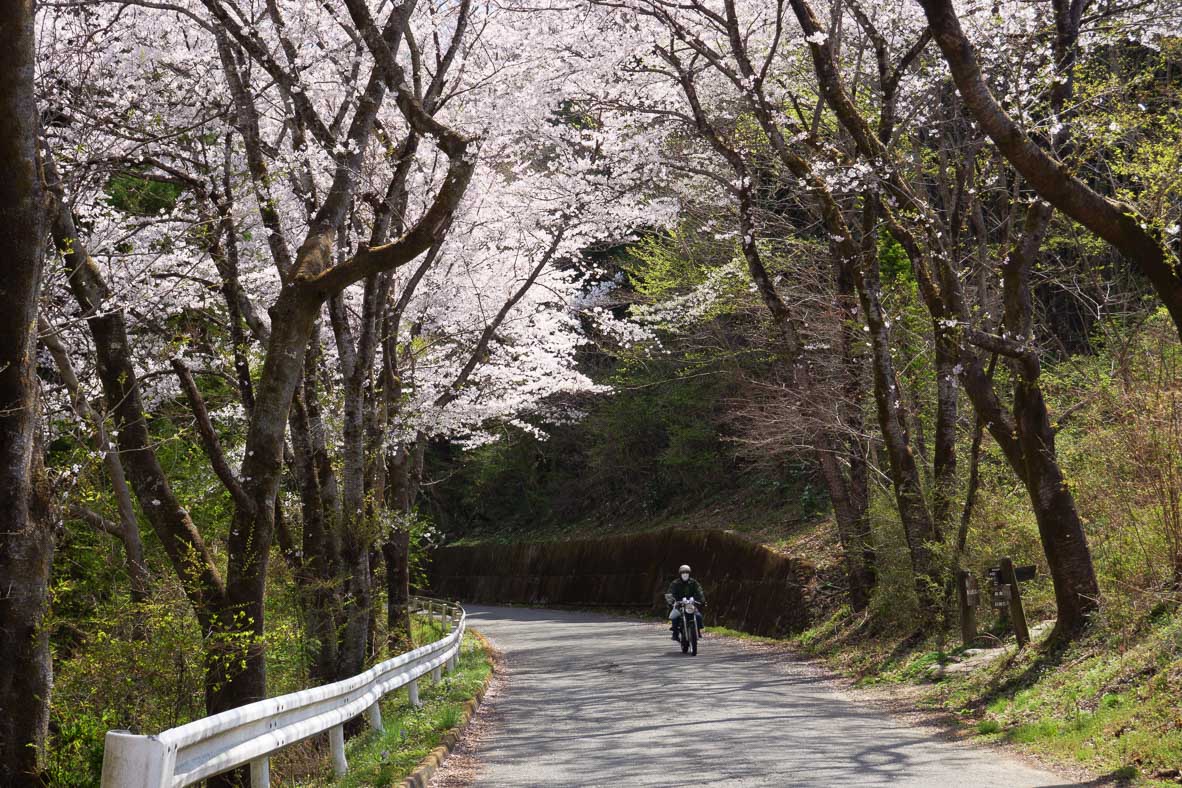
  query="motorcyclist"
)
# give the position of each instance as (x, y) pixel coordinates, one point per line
(685, 587)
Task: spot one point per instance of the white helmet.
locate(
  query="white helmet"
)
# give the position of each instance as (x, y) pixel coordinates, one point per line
(684, 569)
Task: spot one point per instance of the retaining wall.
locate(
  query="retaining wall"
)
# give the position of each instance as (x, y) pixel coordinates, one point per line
(748, 586)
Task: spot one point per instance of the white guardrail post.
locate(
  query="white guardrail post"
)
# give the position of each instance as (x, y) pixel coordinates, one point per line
(452, 621)
(373, 715)
(249, 735)
(260, 771)
(131, 760)
(336, 742)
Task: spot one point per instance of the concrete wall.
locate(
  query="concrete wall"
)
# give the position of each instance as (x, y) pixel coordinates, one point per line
(747, 586)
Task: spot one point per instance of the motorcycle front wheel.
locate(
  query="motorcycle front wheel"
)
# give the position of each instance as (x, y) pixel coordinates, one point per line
(693, 641)
(685, 642)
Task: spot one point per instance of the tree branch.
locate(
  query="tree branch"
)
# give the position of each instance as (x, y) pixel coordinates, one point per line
(1118, 224)
(1001, 345)
(474, 359)
(96, 520)
(209, 438)
(429, 230)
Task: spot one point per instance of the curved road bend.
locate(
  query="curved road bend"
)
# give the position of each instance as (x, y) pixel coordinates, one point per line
(599, 701)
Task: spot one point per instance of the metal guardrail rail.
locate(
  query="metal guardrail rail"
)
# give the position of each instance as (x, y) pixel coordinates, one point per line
(251, 734)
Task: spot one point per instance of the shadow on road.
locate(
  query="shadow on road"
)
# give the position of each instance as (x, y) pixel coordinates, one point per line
(596, 700)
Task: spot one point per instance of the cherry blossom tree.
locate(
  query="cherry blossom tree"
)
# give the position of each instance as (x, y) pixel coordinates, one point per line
(257, 144)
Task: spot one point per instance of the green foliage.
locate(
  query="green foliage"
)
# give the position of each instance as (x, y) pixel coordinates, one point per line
(137, 667)
(1135, 125)
(664, 440)
(423, 536)
(140, 195)
(76, 759)
(894, 604)
(988, 727)
(659, 265)
(574, 114)
(893, 262)
(660, 441)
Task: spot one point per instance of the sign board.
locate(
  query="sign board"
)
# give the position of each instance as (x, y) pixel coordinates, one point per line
(972, 593)
(1001, 596)
(1021, 573)
(1024, 573)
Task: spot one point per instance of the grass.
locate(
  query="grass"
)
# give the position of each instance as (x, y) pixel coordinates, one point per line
(734, 633)
(377, 759)
(387, 758)
(1111, 706)
(424, 630)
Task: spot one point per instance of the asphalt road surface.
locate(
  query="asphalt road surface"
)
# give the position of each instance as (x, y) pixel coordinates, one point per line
(598, 701)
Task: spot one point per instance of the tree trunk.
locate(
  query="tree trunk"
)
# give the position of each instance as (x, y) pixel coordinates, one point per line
(318, 559)
(396, 551)
(237, 645)
(26, 537)
(171, 522)
(1077, 594)
(854, 391)
(970, 498)
(26, 555)
(850, 514)
(357, 360)
(918, 527)
(127, 530)
(1027, 438)
(944, 479)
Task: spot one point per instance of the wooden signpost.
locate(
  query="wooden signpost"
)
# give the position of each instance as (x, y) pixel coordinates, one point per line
(970, 599)
(1005, 597)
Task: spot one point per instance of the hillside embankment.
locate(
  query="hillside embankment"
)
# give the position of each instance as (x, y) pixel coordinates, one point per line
(749, 586)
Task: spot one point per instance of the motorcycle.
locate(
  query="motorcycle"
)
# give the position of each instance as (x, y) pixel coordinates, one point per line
(687, 610)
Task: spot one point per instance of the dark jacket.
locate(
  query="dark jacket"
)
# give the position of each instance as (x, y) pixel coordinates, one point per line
(680, 589)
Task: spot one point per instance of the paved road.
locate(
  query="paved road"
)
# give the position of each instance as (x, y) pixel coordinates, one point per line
(598, 701)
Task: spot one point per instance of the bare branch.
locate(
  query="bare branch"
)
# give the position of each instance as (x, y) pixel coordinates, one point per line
(209, 438)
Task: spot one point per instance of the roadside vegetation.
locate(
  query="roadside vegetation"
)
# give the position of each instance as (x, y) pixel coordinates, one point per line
(388, 758)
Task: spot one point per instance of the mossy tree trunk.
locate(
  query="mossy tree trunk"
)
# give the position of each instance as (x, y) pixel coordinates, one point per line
(26, 536)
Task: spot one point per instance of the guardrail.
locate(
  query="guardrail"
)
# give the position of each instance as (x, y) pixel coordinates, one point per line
(250, 734)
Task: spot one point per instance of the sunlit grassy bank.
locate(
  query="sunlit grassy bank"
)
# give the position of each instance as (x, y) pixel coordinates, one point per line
(1108, 703)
